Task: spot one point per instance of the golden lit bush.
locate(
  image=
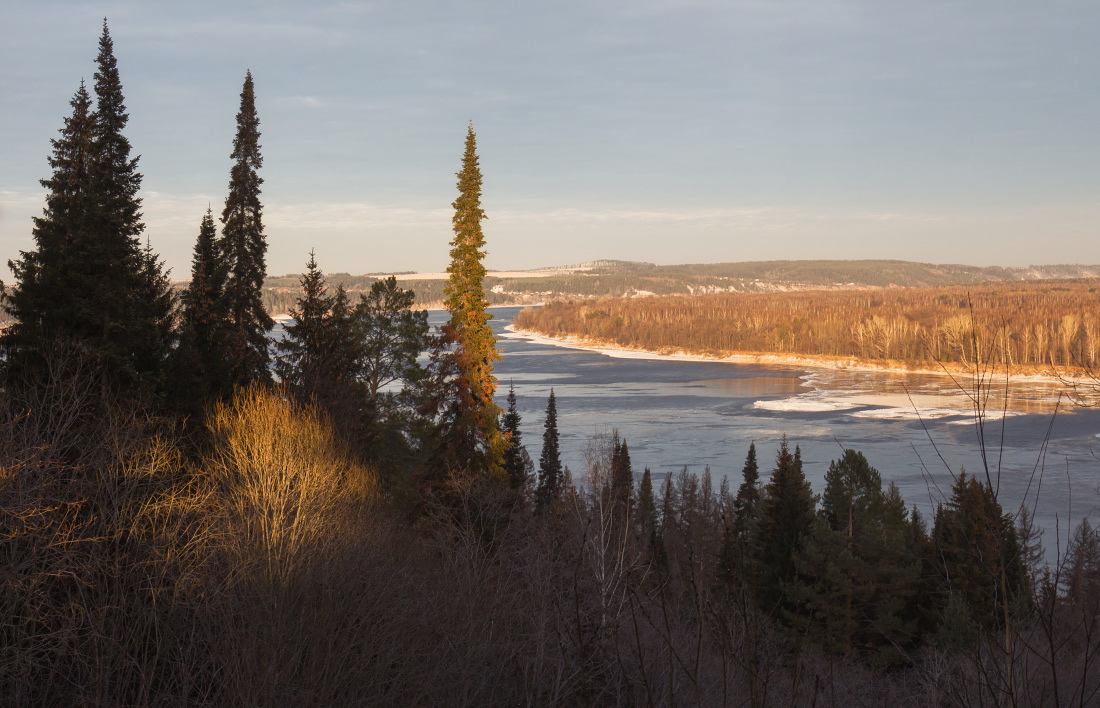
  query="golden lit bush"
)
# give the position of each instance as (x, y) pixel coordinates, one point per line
(285, 478)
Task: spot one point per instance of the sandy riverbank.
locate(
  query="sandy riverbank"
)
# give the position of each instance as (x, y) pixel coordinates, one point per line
(802, 361)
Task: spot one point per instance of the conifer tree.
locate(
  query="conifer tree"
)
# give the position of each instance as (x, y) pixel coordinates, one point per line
(133, 286)
(89, 283)
(550, 483)
(475, 438)
(1080, 581)
(393, 336)
(786, 512)
(45, 303)
(622, 474)
(199, 370)
(857, 569)
(244, 248)
(748, 494)
(645, 507)
(517, 463)
(979, 557)
(305, 352)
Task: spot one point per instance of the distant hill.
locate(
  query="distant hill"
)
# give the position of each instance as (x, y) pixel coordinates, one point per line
(633, 279)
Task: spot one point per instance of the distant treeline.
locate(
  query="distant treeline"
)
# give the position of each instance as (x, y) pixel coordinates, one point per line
(1029, 324)
(626, 279)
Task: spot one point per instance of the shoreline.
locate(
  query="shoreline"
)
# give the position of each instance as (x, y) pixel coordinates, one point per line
(799, 361)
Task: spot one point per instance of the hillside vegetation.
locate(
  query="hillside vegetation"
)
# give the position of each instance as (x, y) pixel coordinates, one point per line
(627, 279)
(1030, 325)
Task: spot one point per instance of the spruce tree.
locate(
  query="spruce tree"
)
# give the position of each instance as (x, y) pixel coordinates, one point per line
(786, 513)
(89, 284)
(199, 369)
(748, 494)
(133, 289)
(517, 463)
(622, 474)
(980, 561)
(45, 304)
(857, 571)
(475, 438)
(393, 336)
(645, 514)
(244, 248)
(549, 489)
(305, 352)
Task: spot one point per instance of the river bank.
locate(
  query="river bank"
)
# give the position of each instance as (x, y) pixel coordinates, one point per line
(952, 370)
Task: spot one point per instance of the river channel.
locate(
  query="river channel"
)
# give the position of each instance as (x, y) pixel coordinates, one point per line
(917, 430)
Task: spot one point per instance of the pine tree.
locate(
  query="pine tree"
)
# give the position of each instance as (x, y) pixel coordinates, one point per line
(1080, 581)
(517, 463)
(475, 438)
(857, 571)
(244, 248)
(550, 484)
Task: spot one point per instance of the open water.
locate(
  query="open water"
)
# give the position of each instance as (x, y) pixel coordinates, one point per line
(917, 430)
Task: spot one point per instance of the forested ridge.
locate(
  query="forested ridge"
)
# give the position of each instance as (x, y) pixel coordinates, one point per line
(1028, 326)
(191, 514)
(628, 279)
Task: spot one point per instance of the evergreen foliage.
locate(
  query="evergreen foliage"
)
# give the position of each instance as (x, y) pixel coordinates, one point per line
(517, 463)
(786, 513)
(622, 474)
(393, 336)
(89, 283)
(199, 368)
(748, 494)
(550, 486)
(45, 303)
(979, 559)
(645, 513)
(244, 248)
(474, 438)
(1080, 581)
(307, 352)
(857, 570)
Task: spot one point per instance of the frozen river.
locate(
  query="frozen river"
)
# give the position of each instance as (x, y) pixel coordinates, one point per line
(913, 428)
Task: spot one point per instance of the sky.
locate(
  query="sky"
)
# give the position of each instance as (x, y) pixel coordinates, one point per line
(668, 131)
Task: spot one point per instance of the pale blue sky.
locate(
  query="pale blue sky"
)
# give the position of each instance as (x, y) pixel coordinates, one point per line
(656, 130)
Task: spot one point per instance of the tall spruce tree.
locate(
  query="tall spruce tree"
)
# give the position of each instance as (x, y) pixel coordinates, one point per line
(517, 463)
(244, 248)
(89, 283)
(475, 440)
(133, 286)
(550, 483)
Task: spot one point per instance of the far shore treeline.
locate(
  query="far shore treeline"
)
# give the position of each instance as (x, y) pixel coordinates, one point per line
(1041, 326)
(192, 514)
